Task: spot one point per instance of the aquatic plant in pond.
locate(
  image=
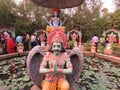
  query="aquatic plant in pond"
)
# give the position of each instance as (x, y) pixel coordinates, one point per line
(13, 74)
(97, 75)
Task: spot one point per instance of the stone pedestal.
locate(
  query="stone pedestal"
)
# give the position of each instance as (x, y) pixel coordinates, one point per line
(108, 49)
(82, 47)
(93, 48)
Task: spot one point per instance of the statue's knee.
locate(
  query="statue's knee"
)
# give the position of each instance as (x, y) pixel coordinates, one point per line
(64, 85)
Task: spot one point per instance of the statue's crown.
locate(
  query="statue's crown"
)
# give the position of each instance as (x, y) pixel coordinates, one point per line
(57, 35)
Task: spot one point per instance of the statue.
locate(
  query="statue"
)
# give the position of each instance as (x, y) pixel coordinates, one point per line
(55, 21)
(111, 38)
(55, 69)
(74, 40)
(55, 74)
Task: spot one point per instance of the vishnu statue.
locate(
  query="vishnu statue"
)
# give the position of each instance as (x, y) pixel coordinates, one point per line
(55, 21)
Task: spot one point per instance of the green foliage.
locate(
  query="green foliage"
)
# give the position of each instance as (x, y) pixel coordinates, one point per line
(87, 45)
(116, 47)
(28, 17)
(15, 80)
(99, 75)
(6, 16)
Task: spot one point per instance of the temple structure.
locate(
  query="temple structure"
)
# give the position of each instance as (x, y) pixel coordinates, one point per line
(112, 35)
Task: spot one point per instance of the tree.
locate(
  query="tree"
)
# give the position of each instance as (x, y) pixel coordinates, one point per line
(86, 17)
(6, 14)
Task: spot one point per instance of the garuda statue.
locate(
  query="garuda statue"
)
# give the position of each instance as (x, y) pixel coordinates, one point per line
(56, 69)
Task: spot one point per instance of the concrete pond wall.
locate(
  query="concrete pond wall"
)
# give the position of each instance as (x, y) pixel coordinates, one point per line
(85, 53)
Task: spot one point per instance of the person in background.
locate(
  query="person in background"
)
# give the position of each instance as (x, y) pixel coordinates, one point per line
(33, 41)
(11, 45)
(4, 44)
(19, 39)
(95, 40)
(26, 39)
(102, 43)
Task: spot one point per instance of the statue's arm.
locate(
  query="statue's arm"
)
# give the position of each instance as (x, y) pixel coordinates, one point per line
(68, 68)
(43, 66)
(62, 22)
(49, 22)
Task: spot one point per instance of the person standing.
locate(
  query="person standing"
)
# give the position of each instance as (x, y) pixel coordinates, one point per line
(33, 41)
(11, 45)
(102, 44)
(95, 40)
(26, 41)
(18, 39)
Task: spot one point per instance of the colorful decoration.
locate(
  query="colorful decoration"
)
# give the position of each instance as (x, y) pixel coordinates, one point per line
(55, 21)
(55, 69)
(112, 35)
(57, 36)
(111, 38)
(49, 29)
(75, 38)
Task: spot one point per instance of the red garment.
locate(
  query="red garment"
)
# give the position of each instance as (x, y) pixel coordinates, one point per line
(11, 45)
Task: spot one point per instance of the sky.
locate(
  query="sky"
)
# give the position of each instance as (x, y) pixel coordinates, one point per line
(107, 4)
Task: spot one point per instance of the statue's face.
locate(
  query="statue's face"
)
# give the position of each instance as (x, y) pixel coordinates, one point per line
(55, 14)
(57, 47)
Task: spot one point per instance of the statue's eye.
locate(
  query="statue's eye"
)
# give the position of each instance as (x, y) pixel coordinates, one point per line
(58, 46)
(54, 46)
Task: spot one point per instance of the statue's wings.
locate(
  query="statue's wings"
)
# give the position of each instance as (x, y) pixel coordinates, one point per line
(77, 61)
(34, 59)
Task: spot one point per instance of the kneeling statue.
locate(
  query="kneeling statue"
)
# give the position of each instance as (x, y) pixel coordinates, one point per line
(55, 69)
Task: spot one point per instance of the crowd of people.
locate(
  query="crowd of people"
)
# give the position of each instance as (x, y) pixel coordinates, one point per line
(9, 44)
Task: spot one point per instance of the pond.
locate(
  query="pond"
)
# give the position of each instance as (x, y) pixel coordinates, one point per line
(97, 75)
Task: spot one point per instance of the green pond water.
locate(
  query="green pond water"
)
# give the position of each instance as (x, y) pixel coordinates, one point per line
(97, 75)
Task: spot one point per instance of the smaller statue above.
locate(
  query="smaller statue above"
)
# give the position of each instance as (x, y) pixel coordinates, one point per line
(55, 21)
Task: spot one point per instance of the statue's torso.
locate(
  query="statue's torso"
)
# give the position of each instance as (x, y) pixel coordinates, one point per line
(60, 61)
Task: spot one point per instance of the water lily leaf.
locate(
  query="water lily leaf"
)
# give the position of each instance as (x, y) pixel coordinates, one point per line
(19, 79)
(83, 88)
(4, 72)
(1, 82)
(26, 78)
(15, 87)
(30, 83)
(14, 75)
(21, 86)
(3, 63)
(5, 67)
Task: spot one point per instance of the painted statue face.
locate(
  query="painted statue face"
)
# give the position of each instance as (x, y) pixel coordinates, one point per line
(57, 48)
(55, 14)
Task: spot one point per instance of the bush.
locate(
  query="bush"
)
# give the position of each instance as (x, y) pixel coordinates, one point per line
(116, 47)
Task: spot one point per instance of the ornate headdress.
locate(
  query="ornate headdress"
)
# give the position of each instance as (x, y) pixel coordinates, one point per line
(56, 9)
(57, 36)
